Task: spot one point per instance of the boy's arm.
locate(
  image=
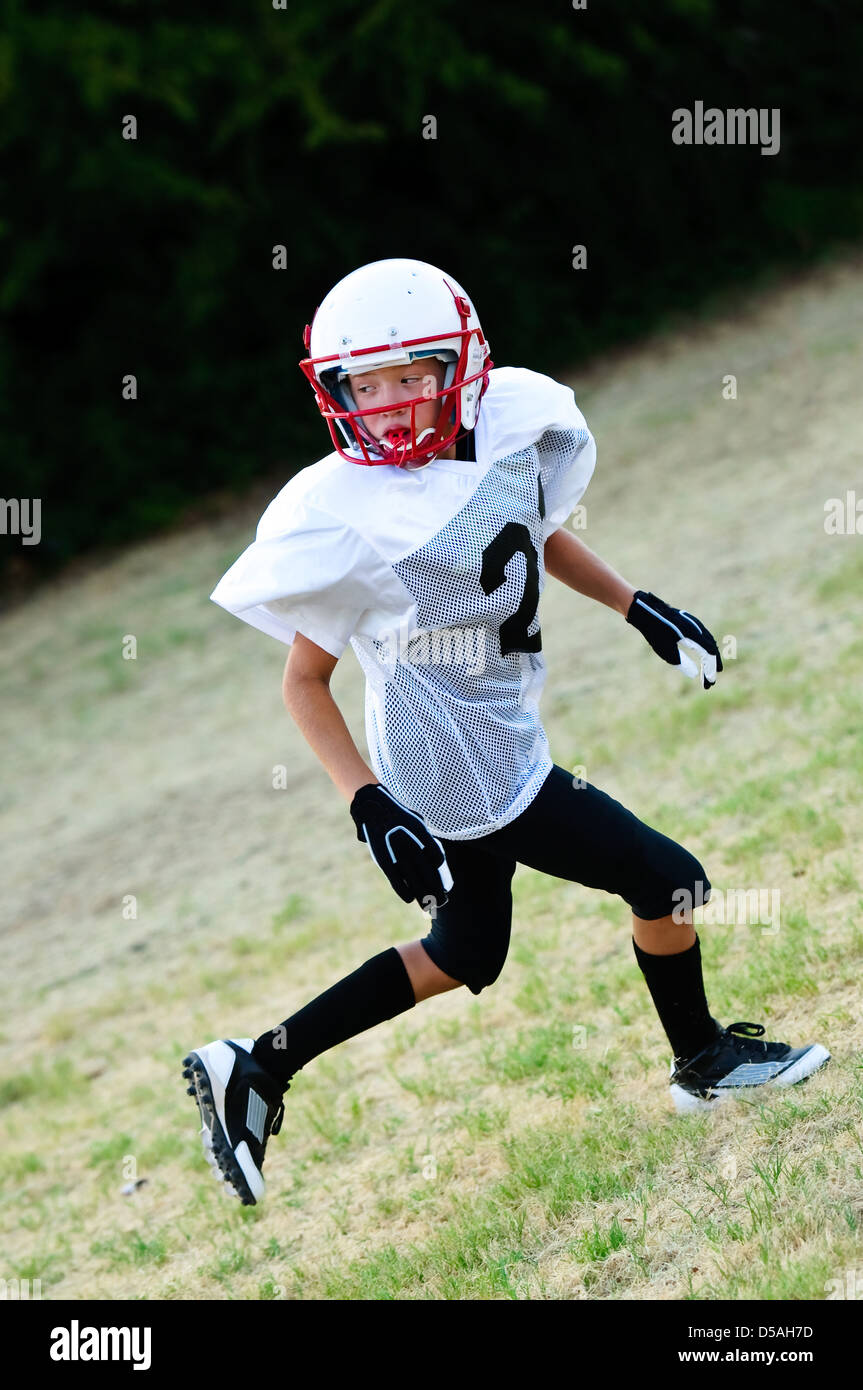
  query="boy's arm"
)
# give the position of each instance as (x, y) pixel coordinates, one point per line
(400, 843)
(672, 633)
(309, 701)
(572, 562)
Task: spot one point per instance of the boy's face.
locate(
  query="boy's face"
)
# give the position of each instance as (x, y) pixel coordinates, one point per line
(392, 387)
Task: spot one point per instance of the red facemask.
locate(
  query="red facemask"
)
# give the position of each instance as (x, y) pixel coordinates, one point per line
(402, 447)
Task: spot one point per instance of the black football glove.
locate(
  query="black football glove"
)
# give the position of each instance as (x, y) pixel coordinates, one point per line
(672, 633)
(403, 846)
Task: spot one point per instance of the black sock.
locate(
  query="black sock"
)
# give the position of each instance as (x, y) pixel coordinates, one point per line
(378, 990)
(677, 990)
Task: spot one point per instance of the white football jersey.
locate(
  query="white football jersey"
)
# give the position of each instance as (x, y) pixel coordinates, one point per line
(434, 576)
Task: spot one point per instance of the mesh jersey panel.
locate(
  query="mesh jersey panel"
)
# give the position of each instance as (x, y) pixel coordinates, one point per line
(452, 722)
(557, 482)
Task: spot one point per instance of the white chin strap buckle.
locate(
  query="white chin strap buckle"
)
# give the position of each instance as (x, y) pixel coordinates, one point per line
(422, 463)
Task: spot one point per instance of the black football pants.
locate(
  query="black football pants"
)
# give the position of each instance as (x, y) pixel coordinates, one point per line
(570, 831)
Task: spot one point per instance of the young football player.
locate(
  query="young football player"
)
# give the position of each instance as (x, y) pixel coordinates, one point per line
(423, 540)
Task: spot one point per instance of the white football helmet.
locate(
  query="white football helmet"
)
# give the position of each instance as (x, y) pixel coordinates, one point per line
(386, 314)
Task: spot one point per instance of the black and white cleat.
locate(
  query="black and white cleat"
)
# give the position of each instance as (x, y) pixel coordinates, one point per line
(739, 1064)
(240, 1106)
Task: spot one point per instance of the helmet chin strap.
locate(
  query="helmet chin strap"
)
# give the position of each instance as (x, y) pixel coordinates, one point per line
(395, 451)
(423, 463)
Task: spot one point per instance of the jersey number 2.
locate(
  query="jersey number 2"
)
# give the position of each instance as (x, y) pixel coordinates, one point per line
(514, 538)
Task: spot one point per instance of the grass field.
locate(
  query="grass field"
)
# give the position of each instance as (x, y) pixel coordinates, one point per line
(520, 1144)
